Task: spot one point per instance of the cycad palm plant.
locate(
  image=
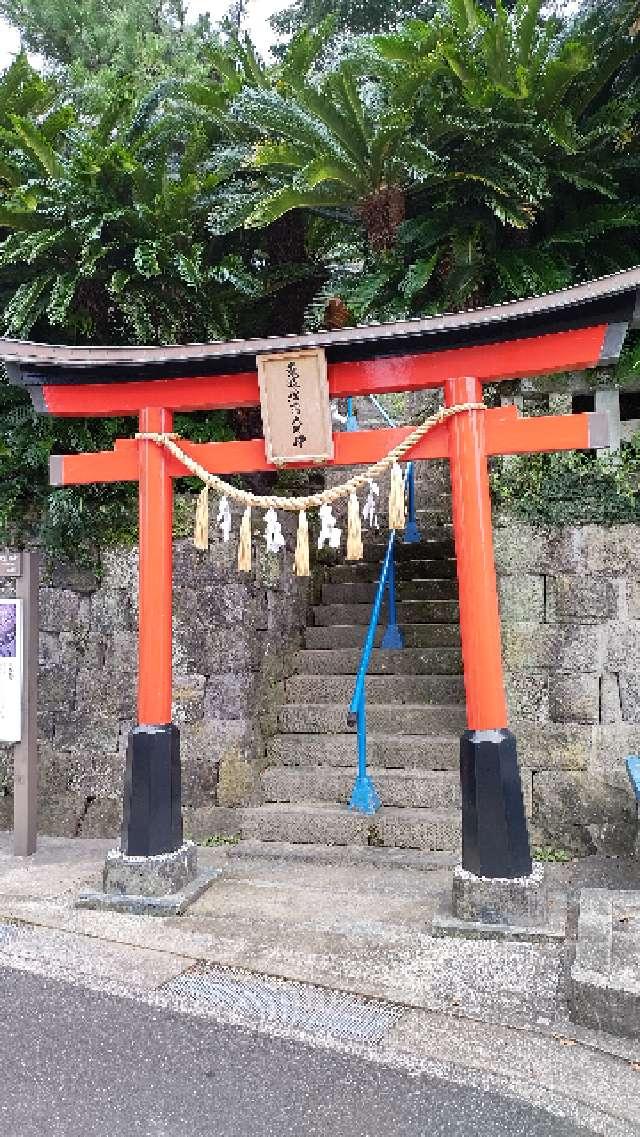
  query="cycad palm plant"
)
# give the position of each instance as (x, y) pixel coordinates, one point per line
(331, 145)
(105, 233)
(546, 107)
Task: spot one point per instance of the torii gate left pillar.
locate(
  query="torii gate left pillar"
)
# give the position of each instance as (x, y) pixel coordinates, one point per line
(152, 819)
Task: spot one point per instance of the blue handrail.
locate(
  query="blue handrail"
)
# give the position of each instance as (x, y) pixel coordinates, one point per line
(412, 535)
(364, 796)
(352, 421)
(381, 411)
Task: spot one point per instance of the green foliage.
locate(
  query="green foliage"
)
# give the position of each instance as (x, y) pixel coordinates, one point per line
(70, 521)
(509, 137)
(78, 520)
(350, 16)
(88, 34)
(570, 488)
(328, 147)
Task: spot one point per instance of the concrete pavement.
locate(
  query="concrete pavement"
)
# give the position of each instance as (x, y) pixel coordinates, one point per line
(78, 1064)
(482, 1016)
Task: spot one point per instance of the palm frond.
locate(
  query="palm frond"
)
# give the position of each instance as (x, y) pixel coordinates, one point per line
(271, 208)
(30, 138)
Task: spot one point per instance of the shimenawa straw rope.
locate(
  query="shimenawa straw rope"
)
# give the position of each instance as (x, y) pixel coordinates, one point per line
(312, 501)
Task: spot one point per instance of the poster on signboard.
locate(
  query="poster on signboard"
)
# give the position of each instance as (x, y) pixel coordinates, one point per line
(10, 670)
(296, 412)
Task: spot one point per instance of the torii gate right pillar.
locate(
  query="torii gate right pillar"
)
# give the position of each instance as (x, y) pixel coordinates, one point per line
(495, 841)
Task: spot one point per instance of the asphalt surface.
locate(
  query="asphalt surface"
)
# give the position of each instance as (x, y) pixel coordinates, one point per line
(77, 1064)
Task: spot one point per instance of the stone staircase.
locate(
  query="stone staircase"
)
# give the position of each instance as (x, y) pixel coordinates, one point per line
(415, 703)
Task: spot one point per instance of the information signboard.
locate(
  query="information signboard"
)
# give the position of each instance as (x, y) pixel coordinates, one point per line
(296, 412)
(10, 563)
(10, 670)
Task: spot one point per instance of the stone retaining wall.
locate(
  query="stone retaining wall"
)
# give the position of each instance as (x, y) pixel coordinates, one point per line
(230, 635)
(570, 603)
(570, 606)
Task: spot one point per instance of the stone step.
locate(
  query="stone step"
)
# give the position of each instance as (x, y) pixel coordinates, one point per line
(409, 661)
(413, 789)
(433, 518)
(385, 689)
(320, 823)
(406, 570)
(408, 612)
(371, 856)
(431, 488)
(434, 515)
(429, 548)
(428, 490)
(401, 718)
(352, 635)
(363, 592)
(393, 751)
(433, 497)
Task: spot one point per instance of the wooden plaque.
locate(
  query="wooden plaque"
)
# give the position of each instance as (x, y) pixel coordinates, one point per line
(294, 400)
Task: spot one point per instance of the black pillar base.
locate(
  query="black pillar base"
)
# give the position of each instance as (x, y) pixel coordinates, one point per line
(152, 821)
(495, 840)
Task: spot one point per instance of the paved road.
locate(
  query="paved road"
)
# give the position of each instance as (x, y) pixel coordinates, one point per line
(76, 1064)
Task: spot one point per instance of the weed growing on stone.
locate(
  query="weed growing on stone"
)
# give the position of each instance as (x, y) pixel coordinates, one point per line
(549, 854)
(219, 839)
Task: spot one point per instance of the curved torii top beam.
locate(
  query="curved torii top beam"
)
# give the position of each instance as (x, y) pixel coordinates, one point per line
(577, 327)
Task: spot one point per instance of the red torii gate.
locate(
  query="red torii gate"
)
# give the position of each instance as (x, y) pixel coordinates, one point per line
(576, 328)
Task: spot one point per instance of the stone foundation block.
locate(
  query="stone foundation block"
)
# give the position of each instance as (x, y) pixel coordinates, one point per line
(630, 695)
(61, 815)
(499, 908)
(500, 900)
(613, 744)
(188, 699)
(555, 746)
(150, 876)
(582, 812)
(520, 548)
(102, 819)
(230, 696)
(633, 598)
(6, 811)
(610, 699)
(238, 780)
(623, 646)
(111, 612)
(161, 885)
(206, 822)
(59, 609)
(614, 549)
